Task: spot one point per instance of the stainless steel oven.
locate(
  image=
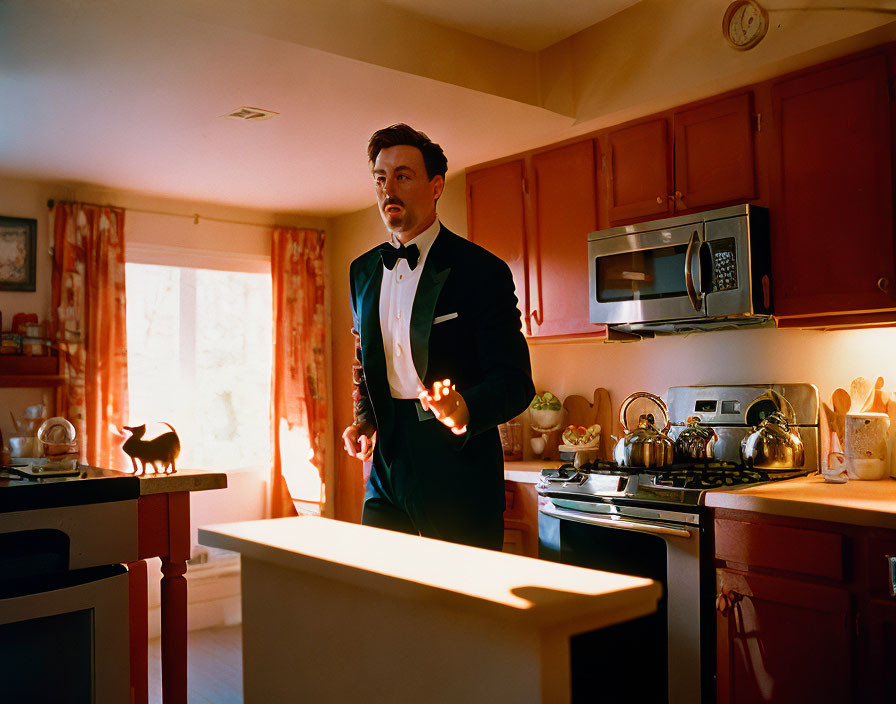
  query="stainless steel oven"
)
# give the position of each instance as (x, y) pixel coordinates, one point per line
(63, 588)
(663, 545)
(690, 271)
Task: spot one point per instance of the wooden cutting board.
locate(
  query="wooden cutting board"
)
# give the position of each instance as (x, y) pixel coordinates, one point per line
(582, 412)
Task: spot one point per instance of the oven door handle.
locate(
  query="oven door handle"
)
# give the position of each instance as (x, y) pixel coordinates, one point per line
(621, 522)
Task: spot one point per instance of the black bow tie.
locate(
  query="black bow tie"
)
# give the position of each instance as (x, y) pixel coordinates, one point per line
(391, 255)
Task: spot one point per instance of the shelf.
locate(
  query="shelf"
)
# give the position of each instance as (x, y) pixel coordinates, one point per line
(22, 380)
(19, 370)
(26, 364)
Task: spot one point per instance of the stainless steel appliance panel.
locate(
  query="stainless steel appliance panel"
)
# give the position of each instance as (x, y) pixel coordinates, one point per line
(726, 244)
(663, 545)
(648, 268)
(689, 271)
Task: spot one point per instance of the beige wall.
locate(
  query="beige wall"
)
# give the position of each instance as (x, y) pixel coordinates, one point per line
(349, 236)
(826, 359)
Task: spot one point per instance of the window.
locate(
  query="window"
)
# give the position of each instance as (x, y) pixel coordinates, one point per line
(199, 358)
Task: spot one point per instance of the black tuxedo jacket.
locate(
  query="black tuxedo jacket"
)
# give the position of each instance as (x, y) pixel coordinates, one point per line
(465, 326)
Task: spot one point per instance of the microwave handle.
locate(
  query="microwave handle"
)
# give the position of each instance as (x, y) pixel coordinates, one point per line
(695, 296)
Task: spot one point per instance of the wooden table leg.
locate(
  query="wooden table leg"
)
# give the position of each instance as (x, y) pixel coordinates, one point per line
(174, 601)
(139, 631)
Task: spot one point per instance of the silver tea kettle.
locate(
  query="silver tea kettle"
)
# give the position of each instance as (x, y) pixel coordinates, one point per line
(774, 445)
(695, 442)
(644, 445)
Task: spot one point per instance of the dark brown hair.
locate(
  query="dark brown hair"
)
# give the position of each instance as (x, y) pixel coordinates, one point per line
(433, 156)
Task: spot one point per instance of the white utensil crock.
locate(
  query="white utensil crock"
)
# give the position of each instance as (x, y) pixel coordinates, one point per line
(865, 451)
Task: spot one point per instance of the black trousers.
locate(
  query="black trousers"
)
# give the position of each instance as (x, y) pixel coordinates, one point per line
(428, 487)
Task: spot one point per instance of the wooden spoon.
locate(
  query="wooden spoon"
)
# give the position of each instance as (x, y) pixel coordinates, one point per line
(891, 435)
(877, 399)
(842, 403)
(858, 392)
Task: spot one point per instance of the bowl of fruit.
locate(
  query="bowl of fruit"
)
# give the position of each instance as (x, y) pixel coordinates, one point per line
(581, 442)
(545, 412)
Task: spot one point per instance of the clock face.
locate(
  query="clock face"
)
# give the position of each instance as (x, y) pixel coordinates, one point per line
(745, 24)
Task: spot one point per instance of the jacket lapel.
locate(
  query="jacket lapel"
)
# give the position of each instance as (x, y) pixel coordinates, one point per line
(432, 279)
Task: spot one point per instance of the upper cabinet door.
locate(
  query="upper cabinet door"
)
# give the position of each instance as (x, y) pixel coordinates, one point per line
(714, 160)
(496, 220)
(832, 207)
(639, 171)
(565, 201)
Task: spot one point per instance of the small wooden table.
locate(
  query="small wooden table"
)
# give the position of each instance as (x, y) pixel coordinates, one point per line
(163, 530)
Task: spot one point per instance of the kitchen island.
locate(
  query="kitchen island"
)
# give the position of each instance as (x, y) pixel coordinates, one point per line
(337, 612)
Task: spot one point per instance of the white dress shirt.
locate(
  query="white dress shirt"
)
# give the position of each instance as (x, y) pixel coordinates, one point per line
(397, 295)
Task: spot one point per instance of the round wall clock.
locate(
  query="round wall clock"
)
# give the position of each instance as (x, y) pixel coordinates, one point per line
(745, 24)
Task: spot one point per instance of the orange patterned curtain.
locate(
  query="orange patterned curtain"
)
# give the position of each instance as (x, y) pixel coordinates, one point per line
(89, 328)
(299, 384)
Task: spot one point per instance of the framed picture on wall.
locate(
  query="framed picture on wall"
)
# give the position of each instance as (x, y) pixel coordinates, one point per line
(18, 244)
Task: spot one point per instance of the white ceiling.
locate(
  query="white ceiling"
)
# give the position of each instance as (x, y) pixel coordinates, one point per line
(526, 24)
(129, 95)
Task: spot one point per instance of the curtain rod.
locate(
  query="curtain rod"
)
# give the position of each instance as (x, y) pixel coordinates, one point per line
(194, 217)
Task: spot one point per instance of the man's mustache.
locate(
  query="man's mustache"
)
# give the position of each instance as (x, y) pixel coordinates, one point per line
(392, 201)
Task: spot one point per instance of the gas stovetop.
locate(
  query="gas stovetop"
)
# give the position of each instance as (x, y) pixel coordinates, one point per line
(732, 411)
(678, 483)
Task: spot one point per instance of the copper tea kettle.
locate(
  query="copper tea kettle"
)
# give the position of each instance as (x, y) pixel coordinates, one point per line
(645, 445)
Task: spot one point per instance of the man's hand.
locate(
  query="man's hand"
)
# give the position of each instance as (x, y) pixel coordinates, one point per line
(447, 405)
(359, 440)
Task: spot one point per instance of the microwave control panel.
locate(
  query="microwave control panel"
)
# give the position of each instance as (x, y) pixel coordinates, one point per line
(724, 264)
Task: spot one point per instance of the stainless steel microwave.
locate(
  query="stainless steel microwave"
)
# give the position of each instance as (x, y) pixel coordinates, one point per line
(697, 271)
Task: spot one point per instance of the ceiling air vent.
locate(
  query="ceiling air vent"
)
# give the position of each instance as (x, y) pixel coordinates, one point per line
(251, 114)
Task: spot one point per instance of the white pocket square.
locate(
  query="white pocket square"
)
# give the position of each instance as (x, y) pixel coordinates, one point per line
(443, 318)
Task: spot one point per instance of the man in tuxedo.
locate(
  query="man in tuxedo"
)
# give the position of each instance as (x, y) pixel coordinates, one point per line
(441, 359)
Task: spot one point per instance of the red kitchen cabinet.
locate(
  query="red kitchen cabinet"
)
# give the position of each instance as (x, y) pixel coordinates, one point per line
(712, 150)
(805, 610)
(564, 199)
(520, 519)
(880, 625)
(536, 213)
(496, 220)
(639, 172)
(782, 640)
(832, 196)
(714, 153)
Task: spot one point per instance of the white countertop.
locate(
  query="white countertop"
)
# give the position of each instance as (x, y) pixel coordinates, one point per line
(860, 503)
(528, 472)
(495, 584)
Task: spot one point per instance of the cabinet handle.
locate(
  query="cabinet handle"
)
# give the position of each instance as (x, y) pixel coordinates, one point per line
(883, 283)
(659, 200)
(679, 198)
(726, 601)
(891, 562)
(535, 316)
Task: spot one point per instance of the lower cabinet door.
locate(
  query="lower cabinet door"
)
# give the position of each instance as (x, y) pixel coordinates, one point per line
(877, 676)
(781, 640)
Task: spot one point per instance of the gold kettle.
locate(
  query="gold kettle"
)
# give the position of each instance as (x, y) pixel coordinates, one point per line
(774, 445)
(644, 445)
